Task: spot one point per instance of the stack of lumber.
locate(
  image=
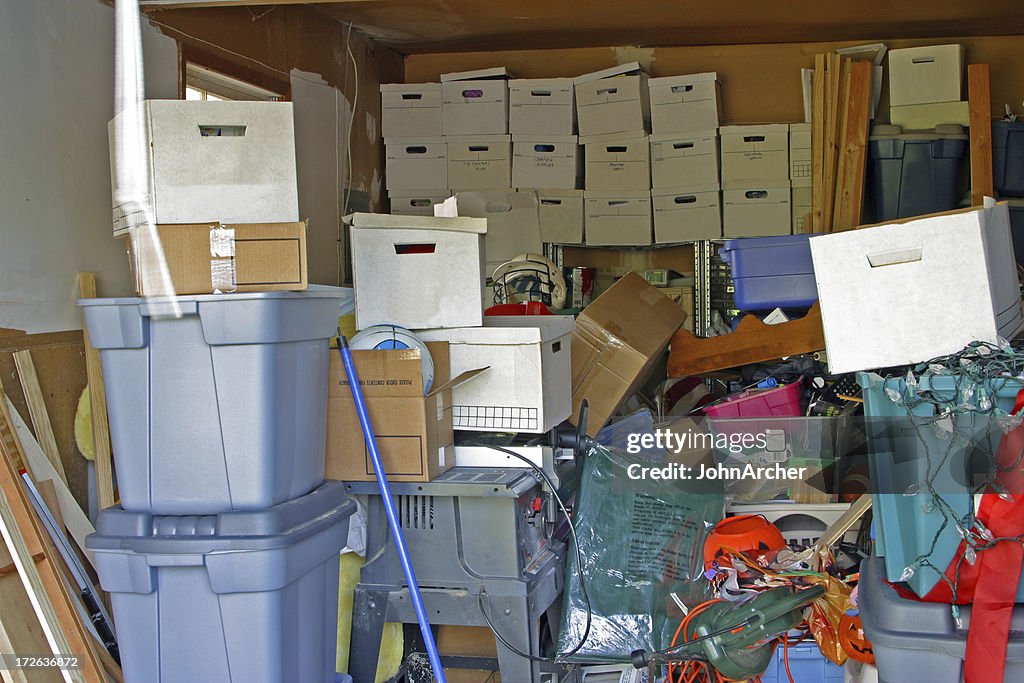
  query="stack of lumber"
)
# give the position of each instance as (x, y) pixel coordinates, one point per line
(841, 106)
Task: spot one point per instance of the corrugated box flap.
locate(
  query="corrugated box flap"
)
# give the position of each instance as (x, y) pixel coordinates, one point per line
(636, 313)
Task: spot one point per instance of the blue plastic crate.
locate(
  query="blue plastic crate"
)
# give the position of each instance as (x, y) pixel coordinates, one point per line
(904, 525)
(806, 663)
(771, 272)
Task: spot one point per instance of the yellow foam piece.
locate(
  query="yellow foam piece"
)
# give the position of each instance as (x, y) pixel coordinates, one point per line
(83, 426)
(392, 641)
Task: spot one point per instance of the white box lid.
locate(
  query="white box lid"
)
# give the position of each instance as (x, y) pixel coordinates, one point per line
(612, 137)
(552, 83)
(683, 80)
(486, 139)
(680, 191)
(399, 222)
(535, 137)
(755, 129)
(414, 141)
(799, 128)
(410, 87)
(756, 184)
(617, 194)
(541, 194)
(673, 137)
(477, 75)
(621, 70)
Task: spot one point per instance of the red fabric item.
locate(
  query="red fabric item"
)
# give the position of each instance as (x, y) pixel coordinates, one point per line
(990, 585)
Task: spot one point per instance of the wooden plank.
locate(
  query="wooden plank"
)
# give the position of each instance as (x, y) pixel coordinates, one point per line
(833, 96)
(51, 598)
(98, 403)
(24, 634)
(37, 410)
(75, 520)
(59, 359)
(817, 141)
(979, 103)
(853, 147)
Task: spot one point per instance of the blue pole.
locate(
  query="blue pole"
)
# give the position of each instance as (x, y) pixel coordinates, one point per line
(389, 508)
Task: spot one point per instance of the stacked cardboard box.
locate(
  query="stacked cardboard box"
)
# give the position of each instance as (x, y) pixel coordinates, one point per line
(755, 180)
(613, 109)
(417, 158)
(224, 197)
(445, 137)
(800, 174)
(685, 115)
(925, 87)
(546, 155)
(426, 274)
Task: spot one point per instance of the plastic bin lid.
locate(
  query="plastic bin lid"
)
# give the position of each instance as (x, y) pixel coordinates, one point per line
(764, 242)
(188, 301)
(886, 131)
(283, 525)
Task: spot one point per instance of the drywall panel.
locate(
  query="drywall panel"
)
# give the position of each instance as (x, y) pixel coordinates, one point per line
(292, 43)
(57, 76)
(760, 82)
(322, 117)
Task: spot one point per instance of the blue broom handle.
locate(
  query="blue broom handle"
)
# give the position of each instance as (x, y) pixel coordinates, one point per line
(389, 508)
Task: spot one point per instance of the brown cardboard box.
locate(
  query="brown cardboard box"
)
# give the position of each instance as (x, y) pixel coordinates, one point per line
(618, 337)
(414, 432)
(204, 257)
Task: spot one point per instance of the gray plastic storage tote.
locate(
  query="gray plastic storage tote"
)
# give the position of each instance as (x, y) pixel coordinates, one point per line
(224, 408)
(240, 597)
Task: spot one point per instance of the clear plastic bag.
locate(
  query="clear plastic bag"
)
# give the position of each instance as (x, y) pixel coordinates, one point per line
(642, 541)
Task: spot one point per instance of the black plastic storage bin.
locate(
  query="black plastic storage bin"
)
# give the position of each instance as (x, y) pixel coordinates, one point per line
(1008, 157)
(915, 173)
(1017, 228)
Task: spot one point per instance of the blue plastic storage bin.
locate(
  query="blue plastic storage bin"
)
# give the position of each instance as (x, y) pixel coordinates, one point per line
(919, 641)
(239, 596)
(905, 527)
(771, 272)
(912, 174)
(1008, 157)
(224, 408)
(806, 663)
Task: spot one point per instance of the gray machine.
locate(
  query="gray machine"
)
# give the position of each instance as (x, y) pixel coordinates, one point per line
(480, 539)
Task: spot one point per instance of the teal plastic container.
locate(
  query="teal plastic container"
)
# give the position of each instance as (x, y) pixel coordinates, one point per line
(806, 663)
(902, 455)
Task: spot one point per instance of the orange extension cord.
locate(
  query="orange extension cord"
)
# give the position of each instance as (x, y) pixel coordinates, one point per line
(703, 672)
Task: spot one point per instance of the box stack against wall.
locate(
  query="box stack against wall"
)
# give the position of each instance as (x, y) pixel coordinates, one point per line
(755, 180)
(614, 112)
(224, 196)
(685, 115)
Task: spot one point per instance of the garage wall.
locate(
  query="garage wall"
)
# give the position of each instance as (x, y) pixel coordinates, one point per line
(57, 77)
(307, 52)
(760, 83)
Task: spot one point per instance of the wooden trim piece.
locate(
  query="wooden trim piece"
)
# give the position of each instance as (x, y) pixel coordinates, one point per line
(979, 103)
(752, 342)
(37, 410)
(98, 404)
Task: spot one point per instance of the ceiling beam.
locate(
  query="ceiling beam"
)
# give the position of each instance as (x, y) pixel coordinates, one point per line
(179, 4)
